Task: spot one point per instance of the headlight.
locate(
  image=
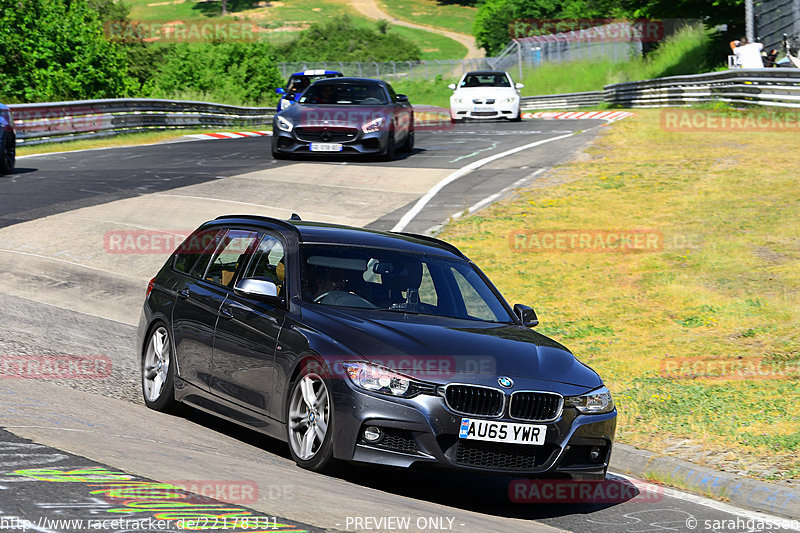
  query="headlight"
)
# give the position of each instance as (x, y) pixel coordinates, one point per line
(376, 378)
(373, 125)
(510, 100)
(284, 125)
(597, 402)
(458, 100)
(285, 102)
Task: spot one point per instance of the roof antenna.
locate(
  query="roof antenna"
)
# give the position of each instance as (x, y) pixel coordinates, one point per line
(295, 216)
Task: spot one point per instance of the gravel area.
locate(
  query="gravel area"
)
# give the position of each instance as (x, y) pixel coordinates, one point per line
(34, 329)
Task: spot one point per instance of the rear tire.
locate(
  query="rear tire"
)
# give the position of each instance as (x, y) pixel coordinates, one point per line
(8, 151)
(158, 371)
(408, 146)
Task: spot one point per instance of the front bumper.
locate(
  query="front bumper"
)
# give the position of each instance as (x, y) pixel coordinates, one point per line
(487, 111)
(362, 143)
(422, 430)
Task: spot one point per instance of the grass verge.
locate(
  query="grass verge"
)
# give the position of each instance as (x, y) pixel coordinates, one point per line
(279, 21)
(718, 302)
(128, 139)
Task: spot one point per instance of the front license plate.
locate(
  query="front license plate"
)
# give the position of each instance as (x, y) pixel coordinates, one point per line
(326, 147)
(507, 432)
(483, 108)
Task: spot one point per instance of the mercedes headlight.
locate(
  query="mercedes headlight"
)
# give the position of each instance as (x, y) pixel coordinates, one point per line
(596, 402)
(284, 125)
(373, 125)
(374, 378)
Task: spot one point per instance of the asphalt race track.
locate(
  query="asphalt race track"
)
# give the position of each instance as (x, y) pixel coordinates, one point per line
(70, 288)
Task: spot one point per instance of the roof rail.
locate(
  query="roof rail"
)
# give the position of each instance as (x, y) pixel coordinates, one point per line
(433, 240)
(260, 218)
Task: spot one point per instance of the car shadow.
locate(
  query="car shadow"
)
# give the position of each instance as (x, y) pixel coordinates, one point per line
(494, 495)
(486, 494)
(19, 170)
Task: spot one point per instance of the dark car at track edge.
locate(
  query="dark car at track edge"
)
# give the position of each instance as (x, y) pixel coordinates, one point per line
(345, 116)
(8, 141)
(366, 346)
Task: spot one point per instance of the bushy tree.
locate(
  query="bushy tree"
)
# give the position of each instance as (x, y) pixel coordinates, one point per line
(228, 72)
(56, 50)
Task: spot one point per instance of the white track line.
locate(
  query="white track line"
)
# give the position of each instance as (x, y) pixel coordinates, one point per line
(463, 171)
(719, 506)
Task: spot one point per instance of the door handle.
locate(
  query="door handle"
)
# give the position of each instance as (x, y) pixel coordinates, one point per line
(183, 293)
(226, 312)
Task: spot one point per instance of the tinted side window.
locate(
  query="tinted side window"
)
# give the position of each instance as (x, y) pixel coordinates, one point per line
(235, 250)
(198, 244)
(268, 262)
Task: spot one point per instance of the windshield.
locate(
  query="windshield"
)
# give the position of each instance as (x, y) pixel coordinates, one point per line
(300, 82)
(403, 282)
(486, 80)
(345, 94)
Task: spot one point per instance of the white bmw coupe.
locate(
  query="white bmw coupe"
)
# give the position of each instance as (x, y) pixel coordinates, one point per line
(485, 94)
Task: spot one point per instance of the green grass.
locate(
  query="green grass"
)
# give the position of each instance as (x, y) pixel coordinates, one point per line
(425, 92)
(683, 53)
(725, 287)
(434, 46)
(279, 21)
(451, 17)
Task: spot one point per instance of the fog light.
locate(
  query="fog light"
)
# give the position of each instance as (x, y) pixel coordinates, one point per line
(372, 434)
(594, 454)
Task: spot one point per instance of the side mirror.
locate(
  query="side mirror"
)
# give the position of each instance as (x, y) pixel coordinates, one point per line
(257, 287)
(452, 86)
(519, 85)
(402, 98)
(526, 315)
(280, 90)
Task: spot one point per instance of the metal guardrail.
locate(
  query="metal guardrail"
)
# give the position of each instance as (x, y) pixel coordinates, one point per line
(778, 87)
(63, 121)
(561, 101)
(84, 119)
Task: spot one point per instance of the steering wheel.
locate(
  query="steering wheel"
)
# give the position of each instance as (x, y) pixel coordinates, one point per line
(344, 298)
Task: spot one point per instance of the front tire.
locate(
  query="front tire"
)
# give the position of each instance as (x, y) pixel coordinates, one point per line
(391, 149)
(158, 371)
(309, 423)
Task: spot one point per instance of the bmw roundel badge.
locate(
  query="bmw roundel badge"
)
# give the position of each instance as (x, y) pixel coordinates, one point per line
(505, 382)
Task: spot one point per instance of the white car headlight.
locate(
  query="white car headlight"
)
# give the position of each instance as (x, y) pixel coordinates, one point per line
(373, 125)
(284, 125)
(285, 102)
(596, 402)
(376, 378)
(509, 100)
